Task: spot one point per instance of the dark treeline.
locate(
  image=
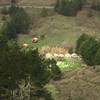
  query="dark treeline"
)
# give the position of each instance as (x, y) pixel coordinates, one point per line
(16, 21)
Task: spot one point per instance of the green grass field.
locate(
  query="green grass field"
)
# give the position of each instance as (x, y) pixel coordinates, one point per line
(67, 64)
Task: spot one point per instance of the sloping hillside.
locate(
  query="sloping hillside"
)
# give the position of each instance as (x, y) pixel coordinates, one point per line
(37, 2)
(80, 84)
(4, 2)
(62, 30)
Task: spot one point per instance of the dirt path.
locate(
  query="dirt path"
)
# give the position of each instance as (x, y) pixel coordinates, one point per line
(28, 6)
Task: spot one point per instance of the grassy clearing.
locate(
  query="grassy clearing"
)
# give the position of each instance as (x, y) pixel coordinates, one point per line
(53, 90)
(67, 64)
(61, 30)
(58, 31)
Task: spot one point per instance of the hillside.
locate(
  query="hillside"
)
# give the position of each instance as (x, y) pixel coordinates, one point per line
(63, 31)
(79, 84)
(37, 2)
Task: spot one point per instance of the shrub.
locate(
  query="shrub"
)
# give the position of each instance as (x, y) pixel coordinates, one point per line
(42, 36)
(80, 41)
(38, 68)
(11, 65)
(3, 41)
(17, 64)
(96, 5)
(88, 50)
(19, 22)
(97, 57)
(13, 1)
(68, 7)
(44, 12)
(56, 72)
(4, 11)
(70, 50)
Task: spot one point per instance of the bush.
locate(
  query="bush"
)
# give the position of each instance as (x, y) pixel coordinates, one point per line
(13, 1)
(88, 50)
(80, 41)
(96, 5)
(68, 7)
(38, 68)
(4, 11)
(3, 41)
(17, 64)
(19, 22)
(71, 50)
(56, 72)
(44, 12)
(97, 57)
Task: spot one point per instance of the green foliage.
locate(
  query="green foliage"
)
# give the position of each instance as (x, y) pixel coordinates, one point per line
(80, 41)
(68, 7)
(19, 22)
(56, 72)
(42, 93)
(3, 41)
(4, 11)
(57, 5)
(11, 61)
(88, 47)
(96, 5)
(44, 12)
(88, 50)
(70, 50)
(17, 64)
(38, 68)
(13, 1)
(97, 57)
(66, 64)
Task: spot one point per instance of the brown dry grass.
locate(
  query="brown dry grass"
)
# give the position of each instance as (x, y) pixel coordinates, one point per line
(79, 84)
(37, 2)
(31, 2)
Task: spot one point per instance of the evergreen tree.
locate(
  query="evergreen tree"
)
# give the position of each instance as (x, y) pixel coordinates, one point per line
(88, 50)
(13, 2)
(57, 5)
(44, 12)
(68, 7)
(80, 41)
(19, 22)
(38, 68)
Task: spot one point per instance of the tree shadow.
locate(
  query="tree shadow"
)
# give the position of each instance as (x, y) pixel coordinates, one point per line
(43, 93)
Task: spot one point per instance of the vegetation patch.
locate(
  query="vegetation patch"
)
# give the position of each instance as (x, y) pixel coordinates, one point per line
(69, 64)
